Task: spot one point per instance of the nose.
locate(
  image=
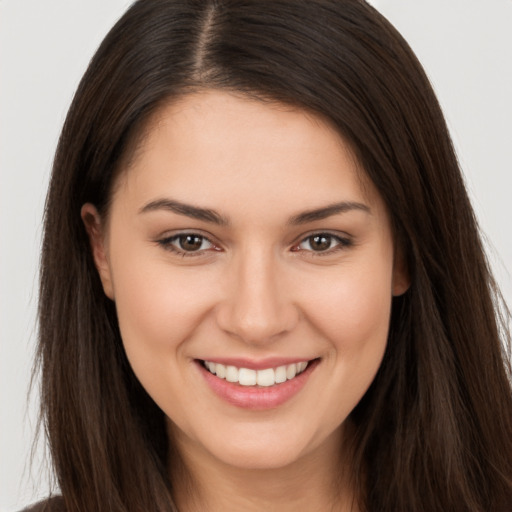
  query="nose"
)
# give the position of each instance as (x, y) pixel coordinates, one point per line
(258, 306)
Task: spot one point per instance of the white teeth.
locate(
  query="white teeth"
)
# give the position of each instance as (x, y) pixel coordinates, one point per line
(291, 371)
(231, 373)
(266, 377)
(220, 370)
(247, 377)
(280, 374)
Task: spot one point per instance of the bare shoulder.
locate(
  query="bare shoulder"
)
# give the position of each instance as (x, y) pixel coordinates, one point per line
(53, 504)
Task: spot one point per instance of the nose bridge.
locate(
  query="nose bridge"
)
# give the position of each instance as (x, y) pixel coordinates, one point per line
(257, 307)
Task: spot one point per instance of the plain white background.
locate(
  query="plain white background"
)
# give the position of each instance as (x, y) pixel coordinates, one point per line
(465, 46)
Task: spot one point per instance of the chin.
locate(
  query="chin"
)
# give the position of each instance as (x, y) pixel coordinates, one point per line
(261, 458)
(270, 447)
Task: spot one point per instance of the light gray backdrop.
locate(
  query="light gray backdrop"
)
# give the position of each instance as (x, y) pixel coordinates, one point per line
(465, 46)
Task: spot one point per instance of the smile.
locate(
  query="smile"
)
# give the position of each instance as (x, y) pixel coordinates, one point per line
(248, 377)
(264, 387)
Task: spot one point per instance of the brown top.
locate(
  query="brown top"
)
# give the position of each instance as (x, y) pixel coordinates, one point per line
(54, 504)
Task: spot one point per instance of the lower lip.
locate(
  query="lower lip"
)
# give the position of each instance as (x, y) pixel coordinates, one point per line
(253, 397)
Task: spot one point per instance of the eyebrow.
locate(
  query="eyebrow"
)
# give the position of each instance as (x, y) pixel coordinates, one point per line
(328, 211)
(209, 215)
(204, 214)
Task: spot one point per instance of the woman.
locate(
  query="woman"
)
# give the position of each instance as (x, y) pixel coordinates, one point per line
(262, 282)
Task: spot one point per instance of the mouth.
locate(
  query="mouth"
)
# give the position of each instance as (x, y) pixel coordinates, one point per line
(265, 377)
(262, 388)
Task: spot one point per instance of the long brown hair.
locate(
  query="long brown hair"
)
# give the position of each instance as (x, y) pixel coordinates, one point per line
(433, 432)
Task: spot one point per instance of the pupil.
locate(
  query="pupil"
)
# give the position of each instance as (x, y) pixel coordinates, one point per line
(191, 242)
(321, 242)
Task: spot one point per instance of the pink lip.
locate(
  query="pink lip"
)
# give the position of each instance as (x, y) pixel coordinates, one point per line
(253, 397)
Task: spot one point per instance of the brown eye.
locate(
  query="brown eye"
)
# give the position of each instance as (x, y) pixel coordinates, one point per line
(190, 242)
(187, 244)
(323, 243)
(320, 242)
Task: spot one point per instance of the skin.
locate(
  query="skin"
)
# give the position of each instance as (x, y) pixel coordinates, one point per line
(256, 288)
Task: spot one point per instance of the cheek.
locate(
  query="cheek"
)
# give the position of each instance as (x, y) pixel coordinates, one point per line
(353, 308)
(353, 318)
(158, 309)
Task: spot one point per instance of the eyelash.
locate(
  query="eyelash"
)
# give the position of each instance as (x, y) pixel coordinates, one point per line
(341, 244)
(168, 244)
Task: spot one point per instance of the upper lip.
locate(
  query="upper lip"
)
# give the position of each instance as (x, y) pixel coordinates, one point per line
(257, 364)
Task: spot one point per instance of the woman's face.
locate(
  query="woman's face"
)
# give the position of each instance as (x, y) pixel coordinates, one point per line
(244, 238)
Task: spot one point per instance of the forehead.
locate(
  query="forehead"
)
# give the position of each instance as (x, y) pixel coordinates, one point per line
(215, 143)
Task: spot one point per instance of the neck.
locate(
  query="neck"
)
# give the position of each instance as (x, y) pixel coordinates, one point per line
(315, 481)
